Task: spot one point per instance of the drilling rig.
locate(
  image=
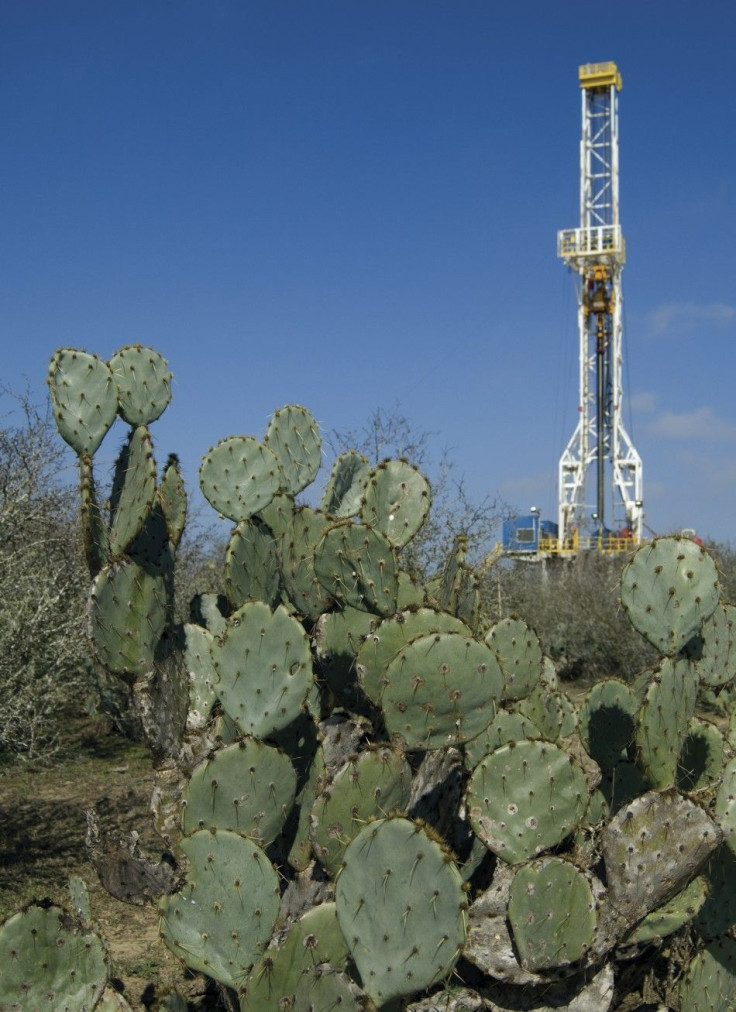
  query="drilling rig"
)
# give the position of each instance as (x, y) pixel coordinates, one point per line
(600, 473)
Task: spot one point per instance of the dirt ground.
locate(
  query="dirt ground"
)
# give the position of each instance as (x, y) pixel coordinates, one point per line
(42, 815)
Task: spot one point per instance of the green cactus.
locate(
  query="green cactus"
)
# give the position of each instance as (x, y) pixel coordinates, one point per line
(553, 913)
(550, 710)
(505, 727)
(143, 383)
(283, 972)
(248, 788)
(345, 487)
(652, 849)
(526, 797)
(669, 589)
(709, 985)
(84, 397)
(725, 808)
(401, 907)
(519, 653)
(330, 689)
(664, 719)
(607, 721)
(128, 611)
(239, 476)
(375, 783)
(299, 537)
(336, 639)
(394, 633)
(701, 759)
(300, 850)
(293, 438)
(264, 668)
(172, 499)
(714, 649)
(93, 522)
(222, 920)
(356, 566)
(202, 674)
(718, 913)
(252, 570)
(396, 501)
(671, 916)
(133, 490)
(50, 960)
(440, 690)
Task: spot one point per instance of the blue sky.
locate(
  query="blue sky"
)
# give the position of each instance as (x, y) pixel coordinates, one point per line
(353, 204)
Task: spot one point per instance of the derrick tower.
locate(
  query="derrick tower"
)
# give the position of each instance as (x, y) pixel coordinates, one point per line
(600, 472)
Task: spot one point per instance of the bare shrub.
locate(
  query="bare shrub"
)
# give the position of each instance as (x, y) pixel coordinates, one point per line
(44, 662)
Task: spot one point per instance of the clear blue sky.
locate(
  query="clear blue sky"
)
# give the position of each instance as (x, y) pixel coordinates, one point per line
(353, 204)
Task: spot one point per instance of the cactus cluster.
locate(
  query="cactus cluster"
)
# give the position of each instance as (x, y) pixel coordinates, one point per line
(368, 790)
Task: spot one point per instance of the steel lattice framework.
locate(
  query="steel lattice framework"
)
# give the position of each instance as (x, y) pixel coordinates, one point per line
(600, 446)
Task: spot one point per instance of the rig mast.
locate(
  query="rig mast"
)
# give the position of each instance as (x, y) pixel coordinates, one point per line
(596, 252)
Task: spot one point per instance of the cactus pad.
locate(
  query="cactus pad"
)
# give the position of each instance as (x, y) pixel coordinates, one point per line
(664, 719)
(505, 727)
(283, 972)
(391, 635)
(336, 639)
(300, 535)
(396, 501)
(700, 764)
(264, 667)
(293, 438)
(669, 589)
(519, 653)
(238, 477)
(143, 381)
(127, 616)
(606, 721)
(84, 398)
(652, 849)
(440, 690)
(248, 788)
(550, 710)
(401, 907)
(356, 565)
(714, 650)
(709, 985)
(525, 797)
(222, 920)
(50, 961)
(95, 531)
(172, 499)
(133, 490)
(252, 571)
(725, 809)
(345, 487)
(671, 916)
(202, 674)
(552, 911)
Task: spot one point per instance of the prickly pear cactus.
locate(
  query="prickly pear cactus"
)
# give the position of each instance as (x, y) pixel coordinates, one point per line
(50, 960)
(669, 589)
(401, 907)
(370, 790)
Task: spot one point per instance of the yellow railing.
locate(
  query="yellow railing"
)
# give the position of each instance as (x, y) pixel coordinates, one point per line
(600, 75)
(608, 544)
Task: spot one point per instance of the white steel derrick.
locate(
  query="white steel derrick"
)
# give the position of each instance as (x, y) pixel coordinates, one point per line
(600, 472)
